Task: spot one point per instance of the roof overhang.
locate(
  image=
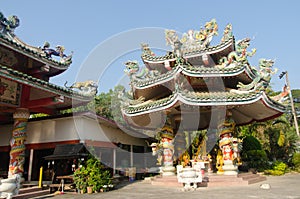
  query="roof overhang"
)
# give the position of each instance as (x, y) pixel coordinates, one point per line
(68, 151)
(37, 95)
(202, 112)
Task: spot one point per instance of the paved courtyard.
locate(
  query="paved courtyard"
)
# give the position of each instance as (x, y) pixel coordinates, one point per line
(287, 186)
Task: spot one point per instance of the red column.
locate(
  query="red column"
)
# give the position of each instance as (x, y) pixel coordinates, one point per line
(17, 142)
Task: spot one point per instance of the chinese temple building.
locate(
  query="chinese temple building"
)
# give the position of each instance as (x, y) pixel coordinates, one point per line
(25, 88)
(199, 86)
(56, 140)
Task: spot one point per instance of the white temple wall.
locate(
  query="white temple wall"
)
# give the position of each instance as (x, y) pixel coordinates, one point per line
(92, 130)
(69, 128)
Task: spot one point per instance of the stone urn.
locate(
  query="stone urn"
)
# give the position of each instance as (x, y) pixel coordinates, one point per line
(188, 173)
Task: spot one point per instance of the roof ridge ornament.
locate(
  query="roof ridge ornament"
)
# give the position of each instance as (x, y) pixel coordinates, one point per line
(146, 49)
(263, 77)
(193, 38)
(238, 56)
(134, 71)
(58, 51)
(227, 33)
(8, 25)
(88, 87)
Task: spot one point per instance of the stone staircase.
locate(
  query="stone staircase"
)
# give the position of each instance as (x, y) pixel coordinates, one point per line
(210, 180)
(170, 181)
(241, 179)
(31, 192)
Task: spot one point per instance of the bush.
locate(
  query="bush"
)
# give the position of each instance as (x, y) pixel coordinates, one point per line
(296, 161)
(278, 168)
(251, 143)
(256, 159)
(92, 174)
(273, 172)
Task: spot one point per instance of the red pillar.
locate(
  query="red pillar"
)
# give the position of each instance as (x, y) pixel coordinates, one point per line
(17, 142)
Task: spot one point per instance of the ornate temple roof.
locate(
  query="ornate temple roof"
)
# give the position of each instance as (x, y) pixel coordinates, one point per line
(25, 79)
(188, 70)
(196, 78)
(13, 42)
(39, 96)
(25, 72)
(194, 51)
(36, 57)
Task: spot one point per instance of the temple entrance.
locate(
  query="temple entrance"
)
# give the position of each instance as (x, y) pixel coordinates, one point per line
(4, 157)
(38, 162)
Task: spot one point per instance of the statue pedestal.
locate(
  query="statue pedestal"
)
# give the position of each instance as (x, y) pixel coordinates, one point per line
(10, 186)
(229, 168)
(168, 171)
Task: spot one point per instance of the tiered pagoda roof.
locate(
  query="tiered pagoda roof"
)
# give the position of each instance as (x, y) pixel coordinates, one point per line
(195, 78)
(25, 71)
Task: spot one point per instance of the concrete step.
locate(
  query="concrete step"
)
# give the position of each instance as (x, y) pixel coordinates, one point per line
(227, 183)
(166, 181)
(252, 178)
(32, 194)
(234, 180)
(245, 174)
(29, 189)
(223, 178)
(257, 179)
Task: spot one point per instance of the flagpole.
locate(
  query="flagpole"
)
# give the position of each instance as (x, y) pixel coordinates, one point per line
(292, 102)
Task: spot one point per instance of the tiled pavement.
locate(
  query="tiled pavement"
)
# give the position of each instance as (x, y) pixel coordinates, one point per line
(282, 187)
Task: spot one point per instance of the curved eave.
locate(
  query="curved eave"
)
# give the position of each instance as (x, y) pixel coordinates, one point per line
(25, 79)
(33, 54)
(192, 52)
(217, 72)
(246, 108)
(158, 80)
(192, 72)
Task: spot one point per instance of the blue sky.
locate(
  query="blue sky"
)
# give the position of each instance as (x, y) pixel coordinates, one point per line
(104, 34)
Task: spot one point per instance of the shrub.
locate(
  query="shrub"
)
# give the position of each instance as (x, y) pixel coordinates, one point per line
(296, 161)
(92, 174)
(273, 172)
(256, 159)
(80, 178)
(278, 168)
(251, 143)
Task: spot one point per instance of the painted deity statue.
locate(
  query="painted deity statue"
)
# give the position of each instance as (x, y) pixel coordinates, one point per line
(164, 149)
(168, 150)
(237, 147)
(227, 152)
(220, 162)
(157, 151)
(229, 146)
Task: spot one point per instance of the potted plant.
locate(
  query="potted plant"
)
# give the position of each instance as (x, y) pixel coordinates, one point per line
(92, 177)
(80, 179)
(91, 183)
